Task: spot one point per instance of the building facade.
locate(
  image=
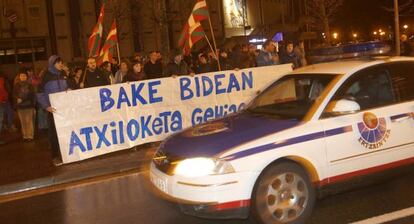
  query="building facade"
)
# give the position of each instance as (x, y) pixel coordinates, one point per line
(32, 30)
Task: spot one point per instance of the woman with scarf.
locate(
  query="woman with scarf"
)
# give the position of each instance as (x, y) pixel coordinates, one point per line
(54, 81)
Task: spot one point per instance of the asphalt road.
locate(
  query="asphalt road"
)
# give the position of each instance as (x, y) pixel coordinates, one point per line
(129, 199)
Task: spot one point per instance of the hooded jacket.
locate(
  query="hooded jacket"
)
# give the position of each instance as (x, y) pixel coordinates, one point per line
(54, 81)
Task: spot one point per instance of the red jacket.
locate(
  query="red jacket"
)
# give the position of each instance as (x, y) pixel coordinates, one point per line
(3, 92)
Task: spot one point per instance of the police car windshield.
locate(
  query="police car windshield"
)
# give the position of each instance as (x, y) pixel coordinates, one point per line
(291, 96)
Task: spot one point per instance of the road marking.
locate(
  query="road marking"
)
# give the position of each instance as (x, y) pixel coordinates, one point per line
(68, 185)
(388, 217)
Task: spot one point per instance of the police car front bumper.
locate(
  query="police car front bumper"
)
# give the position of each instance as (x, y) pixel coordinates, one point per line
(215, 196)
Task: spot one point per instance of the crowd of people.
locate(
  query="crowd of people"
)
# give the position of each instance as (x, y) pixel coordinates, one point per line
(27, 94)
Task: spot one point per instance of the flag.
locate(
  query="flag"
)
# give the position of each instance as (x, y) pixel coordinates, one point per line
(108, 48)
(196, 34)
(193, 31)
(94, 42)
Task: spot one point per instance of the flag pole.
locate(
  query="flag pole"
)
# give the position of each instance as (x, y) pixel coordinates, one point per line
(117, 45)
(214, 39)
(209, 44)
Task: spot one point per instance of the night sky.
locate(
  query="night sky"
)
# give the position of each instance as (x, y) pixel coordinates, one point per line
(365, 16)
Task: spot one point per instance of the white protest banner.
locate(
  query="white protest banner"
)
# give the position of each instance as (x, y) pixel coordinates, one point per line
(95, 121)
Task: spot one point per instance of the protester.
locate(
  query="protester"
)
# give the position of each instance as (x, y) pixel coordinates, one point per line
(124, 68)
(37, 78)
(106, 69)
(3, 100)
(138, 57)
(153, 68)
(299, 51)
(24, 101)
(252, 56)
(239, 59)
(53, 82)
(75, 79)
(267, 55)
(94, 76)
(8, 106)
(177, 66)
(203, 65)
(405, 46)
(136, 74)
(225, 63)
(289, 56)
(41, 122)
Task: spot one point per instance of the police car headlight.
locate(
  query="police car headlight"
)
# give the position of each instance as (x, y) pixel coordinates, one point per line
(198, 167)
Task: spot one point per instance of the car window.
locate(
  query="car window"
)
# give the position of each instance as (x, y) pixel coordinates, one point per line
(402, 74)
(370, 88)
(291, 96)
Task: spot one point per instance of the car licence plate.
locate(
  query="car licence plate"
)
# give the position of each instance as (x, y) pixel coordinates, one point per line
(160, 183)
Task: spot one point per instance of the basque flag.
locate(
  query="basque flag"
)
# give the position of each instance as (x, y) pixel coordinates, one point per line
(108, 48)
(94, 43)
(193, 31)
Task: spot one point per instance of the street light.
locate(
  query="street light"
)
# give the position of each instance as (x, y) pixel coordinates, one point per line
(375, 33)
(335, 35)
(355, 35)
(405, 26)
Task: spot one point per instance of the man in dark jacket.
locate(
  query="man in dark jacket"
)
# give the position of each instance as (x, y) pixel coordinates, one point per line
(54, 81)
(153, 68)
(177, 66)
(289, 56)
(94, 76)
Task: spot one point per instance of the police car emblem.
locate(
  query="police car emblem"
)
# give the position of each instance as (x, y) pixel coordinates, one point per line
(373, 131)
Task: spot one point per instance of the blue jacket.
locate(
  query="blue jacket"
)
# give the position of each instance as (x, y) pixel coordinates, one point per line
(54, 81)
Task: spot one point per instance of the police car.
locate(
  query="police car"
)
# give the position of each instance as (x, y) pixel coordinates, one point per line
(320, 126)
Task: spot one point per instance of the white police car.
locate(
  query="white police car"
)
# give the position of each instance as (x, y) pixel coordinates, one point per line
(319, 126)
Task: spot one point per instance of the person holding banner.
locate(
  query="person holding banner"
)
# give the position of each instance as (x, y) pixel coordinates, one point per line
(124, 69)
(94, 76)
(177, 66)
(153, 68)
(203, 65)
(136, 74)
(54, 81)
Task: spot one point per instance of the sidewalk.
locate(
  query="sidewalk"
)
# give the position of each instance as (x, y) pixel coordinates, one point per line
(27, 166)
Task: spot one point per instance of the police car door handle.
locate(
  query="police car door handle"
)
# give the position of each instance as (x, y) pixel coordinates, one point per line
(401, 119)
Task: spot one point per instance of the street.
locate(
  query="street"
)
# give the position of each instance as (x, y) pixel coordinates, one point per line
(129, 199)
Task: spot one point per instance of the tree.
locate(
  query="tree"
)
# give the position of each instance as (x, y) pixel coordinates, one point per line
(323, 12)
(407, 9)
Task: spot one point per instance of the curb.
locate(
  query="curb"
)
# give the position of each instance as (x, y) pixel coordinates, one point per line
(57, 179)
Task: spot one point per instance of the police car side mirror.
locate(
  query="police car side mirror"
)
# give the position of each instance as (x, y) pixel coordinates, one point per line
(342, 107)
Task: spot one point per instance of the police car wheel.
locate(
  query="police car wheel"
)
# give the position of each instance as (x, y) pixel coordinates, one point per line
(283, 194)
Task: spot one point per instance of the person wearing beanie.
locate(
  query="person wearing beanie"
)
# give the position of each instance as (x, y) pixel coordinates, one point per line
(54, 81)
